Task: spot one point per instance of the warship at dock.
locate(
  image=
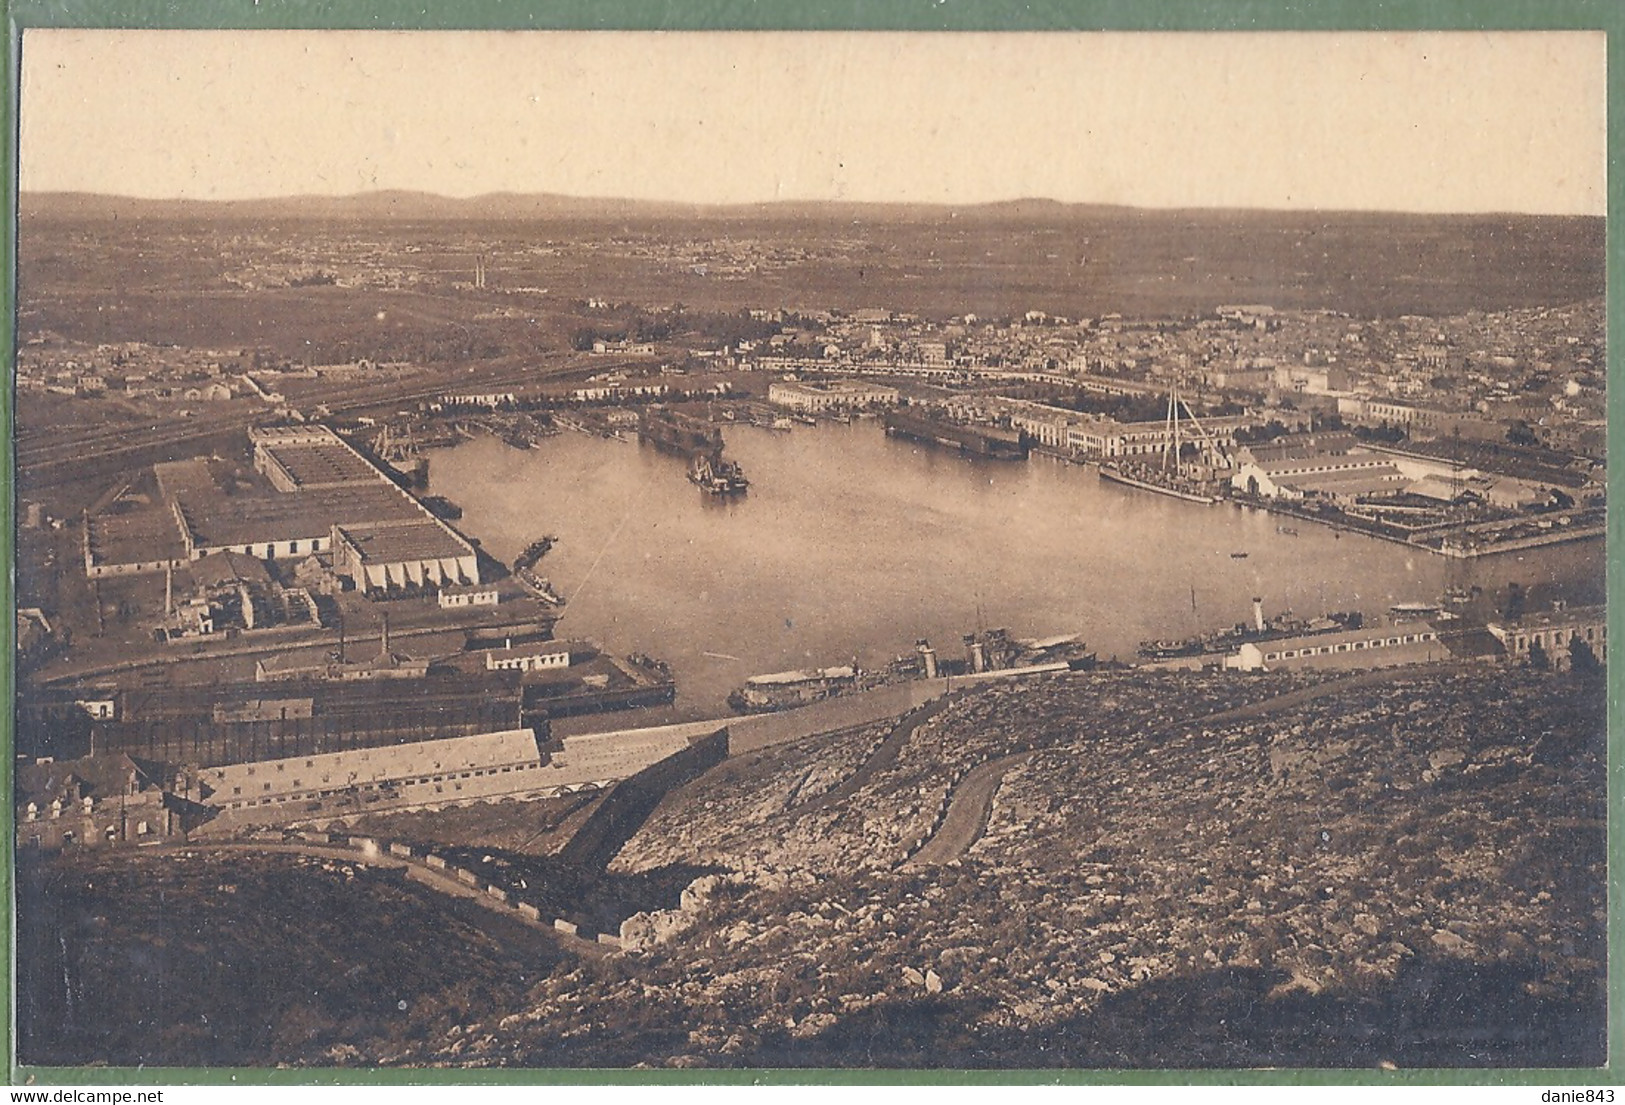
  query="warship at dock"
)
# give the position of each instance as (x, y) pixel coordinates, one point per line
(987, 653)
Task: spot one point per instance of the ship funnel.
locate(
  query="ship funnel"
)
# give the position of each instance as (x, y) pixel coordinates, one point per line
(928, 657)
(1258, 613)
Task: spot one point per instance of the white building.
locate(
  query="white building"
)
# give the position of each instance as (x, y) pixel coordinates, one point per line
(1372, 647)
(544, 656)
(835, 395)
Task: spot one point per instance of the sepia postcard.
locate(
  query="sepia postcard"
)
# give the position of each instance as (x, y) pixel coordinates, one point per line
(733, 551)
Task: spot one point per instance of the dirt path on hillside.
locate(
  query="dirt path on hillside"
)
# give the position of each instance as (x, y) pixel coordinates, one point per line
(878, 761)
(971, 801)
(968, 810)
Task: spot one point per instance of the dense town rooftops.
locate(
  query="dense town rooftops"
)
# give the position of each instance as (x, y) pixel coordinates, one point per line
(97, 777)
(1558, 619)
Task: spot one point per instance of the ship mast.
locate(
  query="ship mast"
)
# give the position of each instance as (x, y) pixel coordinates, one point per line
(1172, 424)
(1175, 402)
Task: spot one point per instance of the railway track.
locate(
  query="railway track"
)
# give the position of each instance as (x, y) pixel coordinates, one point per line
(42, 454)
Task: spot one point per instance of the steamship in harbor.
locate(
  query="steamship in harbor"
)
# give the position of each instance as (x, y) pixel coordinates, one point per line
(988, 653)
(1225, 641)
(1174, 477)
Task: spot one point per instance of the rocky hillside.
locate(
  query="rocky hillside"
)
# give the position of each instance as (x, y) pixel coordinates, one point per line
(1113, 869)
(1170, 870)
(216, 958)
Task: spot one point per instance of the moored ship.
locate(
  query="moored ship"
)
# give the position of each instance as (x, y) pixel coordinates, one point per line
(1147, 478)
(1224, 641)
(988, 654)
(715, 476)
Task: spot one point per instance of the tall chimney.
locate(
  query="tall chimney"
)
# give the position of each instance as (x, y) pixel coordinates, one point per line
(1258, 613)
(383, 647)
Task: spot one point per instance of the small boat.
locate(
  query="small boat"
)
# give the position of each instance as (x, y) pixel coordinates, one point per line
(539, 586)
(534, 552)
(1288, 530)
(1238, 556)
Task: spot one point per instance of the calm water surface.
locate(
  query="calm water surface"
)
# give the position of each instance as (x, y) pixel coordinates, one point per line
(850, 545)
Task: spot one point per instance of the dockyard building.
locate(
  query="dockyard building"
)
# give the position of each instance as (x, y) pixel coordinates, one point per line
(319, 487)
(1372, 647)
(1555, 632)
(449, 769)
(473, 594)
(541, 656)
(1337, 477)
(384, 559)
(834, 395)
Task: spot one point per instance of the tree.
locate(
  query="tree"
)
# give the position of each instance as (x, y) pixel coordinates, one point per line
(1538, 658)
(1515, 602)
(1582, 659)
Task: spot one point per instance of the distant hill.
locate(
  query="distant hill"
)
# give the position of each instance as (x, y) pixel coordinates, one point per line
(414, 206)
(386, 205)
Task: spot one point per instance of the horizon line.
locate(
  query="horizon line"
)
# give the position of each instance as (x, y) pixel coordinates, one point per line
(379, 193)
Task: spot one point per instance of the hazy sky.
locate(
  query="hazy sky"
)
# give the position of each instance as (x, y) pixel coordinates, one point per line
(1424, 122)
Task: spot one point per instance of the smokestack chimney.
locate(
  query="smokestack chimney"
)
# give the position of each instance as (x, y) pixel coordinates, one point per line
(383, 646)
(1258, 613)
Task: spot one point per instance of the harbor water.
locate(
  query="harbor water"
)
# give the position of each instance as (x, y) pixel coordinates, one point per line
(850, 545)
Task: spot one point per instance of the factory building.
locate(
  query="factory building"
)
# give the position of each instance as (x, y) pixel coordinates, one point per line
(383, 559)
(320, 488)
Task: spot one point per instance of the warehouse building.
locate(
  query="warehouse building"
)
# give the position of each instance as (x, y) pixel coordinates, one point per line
(423, 772)
(318, 487)
(1371, 647)
(384, 559)
(292, 524)
(308, 465)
